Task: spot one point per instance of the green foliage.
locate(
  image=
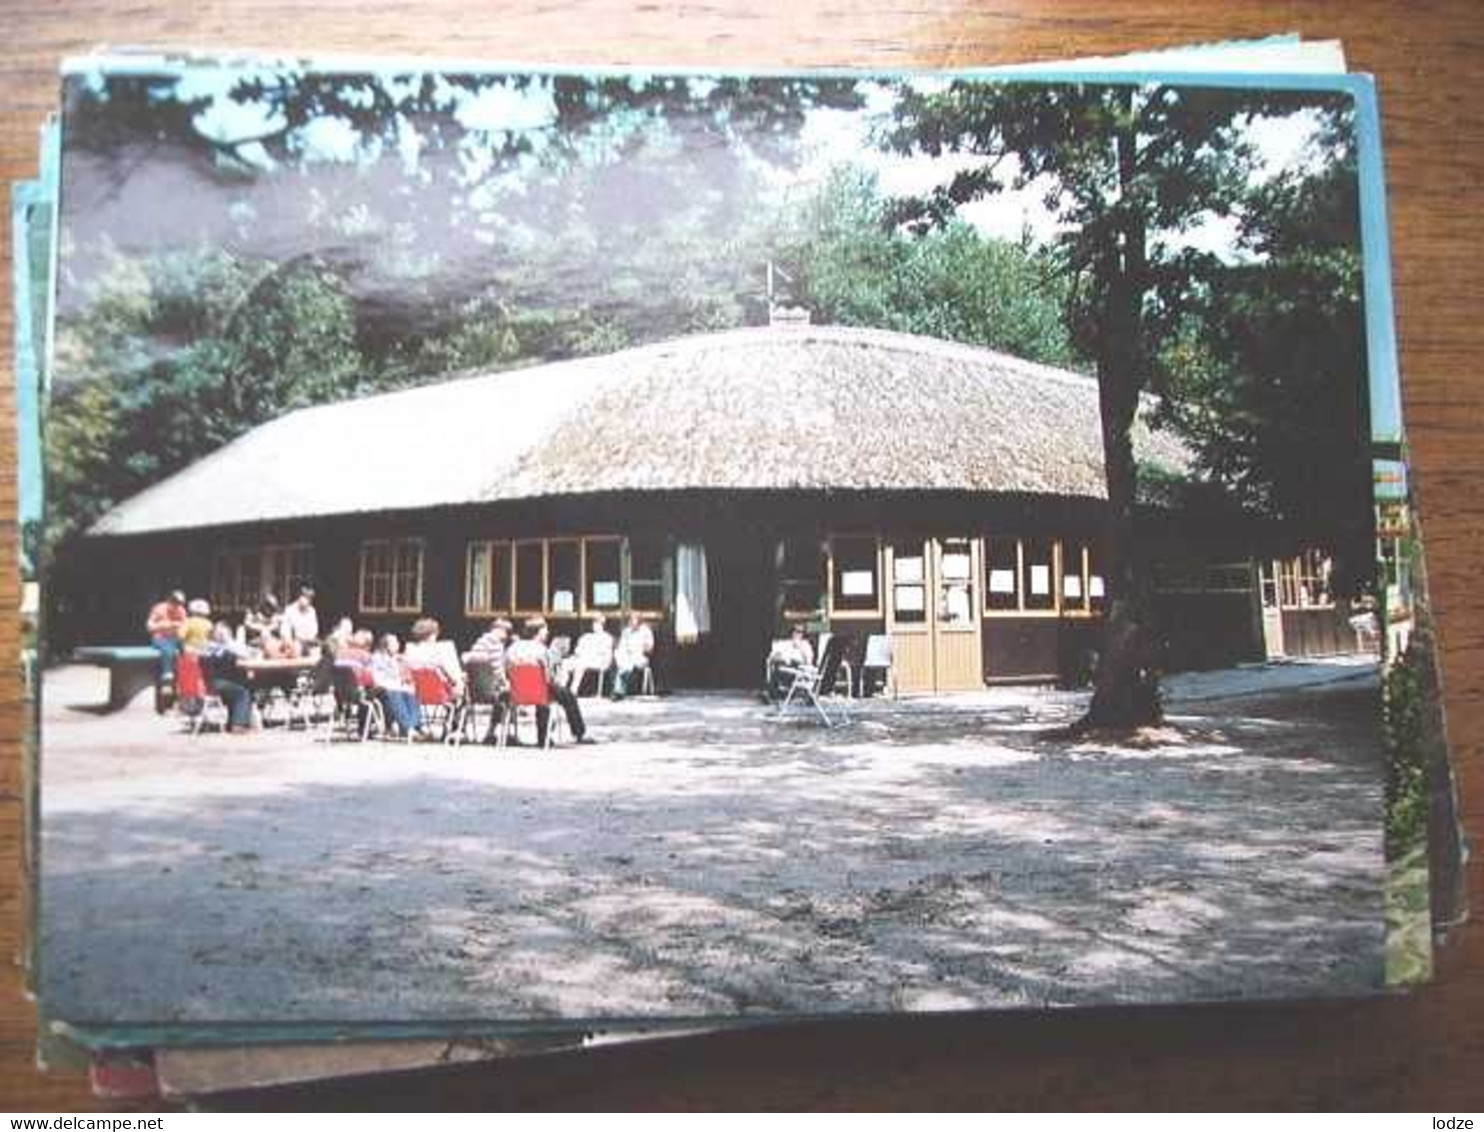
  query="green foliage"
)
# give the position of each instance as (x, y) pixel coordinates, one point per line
(856, 268)
(1406, 704)
(1266, 371)
(1126, 171)
(174, 356)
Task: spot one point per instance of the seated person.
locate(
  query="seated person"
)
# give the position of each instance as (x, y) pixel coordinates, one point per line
(224, 677)
(594, 653)
(196, 632)
(490, 650)
(491, 643)
(391, 676)
(425, 650)
(534, 649)
(264, 620)
(355, 654)
(631, 658)
(793, 652)
(340, 635)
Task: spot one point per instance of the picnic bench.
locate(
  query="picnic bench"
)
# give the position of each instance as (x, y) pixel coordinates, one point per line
(131, 669)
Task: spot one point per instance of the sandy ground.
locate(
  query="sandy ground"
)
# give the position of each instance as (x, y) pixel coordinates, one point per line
(705, 858)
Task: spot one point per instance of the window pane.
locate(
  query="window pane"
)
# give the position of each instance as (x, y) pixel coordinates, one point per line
(477, 578)
(1097, 588)
(274, 575)
(649, 597)
(529, 560)
(1073, 587)
(303, 567)
(647, 558)
(407, 581)
(1036, 579)
(856, 585)
(223, 580)
(563, 576)
(1316, 574)
(801, 570)
(1288, 581)
(249, 578)
(955, 582)
(500, 576)
(375, 575)
(909, 582)
(602, 559)
(1001, 574)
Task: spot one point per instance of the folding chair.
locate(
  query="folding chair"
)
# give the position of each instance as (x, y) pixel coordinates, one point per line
(843, 670)
(602, 677)
(878, 659)
(312, 690)
(778, 643)
(483, 693)
(357, 711)
(197, 702)
(440, 706)
(808, 681)
(529, 689)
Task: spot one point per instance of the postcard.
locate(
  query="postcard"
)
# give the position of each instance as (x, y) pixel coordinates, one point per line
(531, 549)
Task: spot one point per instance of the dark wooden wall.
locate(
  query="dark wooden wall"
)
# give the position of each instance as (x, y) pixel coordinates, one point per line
(1422, 1051)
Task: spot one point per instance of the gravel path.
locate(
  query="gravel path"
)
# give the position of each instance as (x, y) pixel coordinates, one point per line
(706, 859)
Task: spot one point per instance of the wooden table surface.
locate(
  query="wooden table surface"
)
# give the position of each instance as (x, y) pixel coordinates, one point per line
(1425, 1051)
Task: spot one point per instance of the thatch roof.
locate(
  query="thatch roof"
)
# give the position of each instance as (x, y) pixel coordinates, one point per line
(770, 408)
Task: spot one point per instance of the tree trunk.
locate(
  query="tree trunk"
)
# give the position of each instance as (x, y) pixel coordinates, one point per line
(1126, 687)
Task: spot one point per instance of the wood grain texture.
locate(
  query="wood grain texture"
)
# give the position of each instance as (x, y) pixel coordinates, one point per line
(1423, 1052)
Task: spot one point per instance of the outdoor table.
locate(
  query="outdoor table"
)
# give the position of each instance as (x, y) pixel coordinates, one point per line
(277, 669)
(131, 669)
(267, 675)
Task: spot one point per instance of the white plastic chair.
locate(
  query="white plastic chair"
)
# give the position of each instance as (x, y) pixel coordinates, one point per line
(878, 658)
(843, 672)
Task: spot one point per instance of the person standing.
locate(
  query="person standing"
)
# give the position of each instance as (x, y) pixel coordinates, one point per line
(167, 617)
(300, 626)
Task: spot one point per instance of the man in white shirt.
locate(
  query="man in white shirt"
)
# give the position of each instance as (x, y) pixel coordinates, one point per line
(594, 653)
(631, 658)
(785, 658)
(300, 623)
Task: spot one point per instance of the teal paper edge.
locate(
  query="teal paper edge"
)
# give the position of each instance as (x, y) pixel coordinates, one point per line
(1384, 390)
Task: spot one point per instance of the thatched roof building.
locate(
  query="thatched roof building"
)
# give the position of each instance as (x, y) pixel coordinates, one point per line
(778, 409)
(948, 498)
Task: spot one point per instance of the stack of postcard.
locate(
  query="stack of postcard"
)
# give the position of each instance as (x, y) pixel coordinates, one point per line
(521, 557)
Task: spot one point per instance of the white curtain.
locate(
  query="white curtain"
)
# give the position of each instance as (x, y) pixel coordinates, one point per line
(692, 606)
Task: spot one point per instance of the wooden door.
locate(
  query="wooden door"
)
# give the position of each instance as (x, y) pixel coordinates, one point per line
(958, 660)
(908, 605)
(933, 614)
